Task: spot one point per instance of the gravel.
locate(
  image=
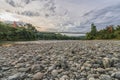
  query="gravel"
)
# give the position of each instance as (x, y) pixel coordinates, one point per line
(60, 60)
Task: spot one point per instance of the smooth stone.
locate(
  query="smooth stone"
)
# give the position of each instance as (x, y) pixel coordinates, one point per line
(38, 76)
(55, 72)
(24, 69)
(51, 68)
(96, 65)
(1, 75)
(117, 65)
(105, 77)
(30, 75)
(36, 68)
(18, 76)
(80, 79)
(116, 75)
(19, 65)
(84, 74)
(14, 63)
(21, 60)
(91, 78)
(100, 70)
(106, 62)
(64, 77)
(5, 68)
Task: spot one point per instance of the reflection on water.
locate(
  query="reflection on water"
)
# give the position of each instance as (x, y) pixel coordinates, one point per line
(69, 34)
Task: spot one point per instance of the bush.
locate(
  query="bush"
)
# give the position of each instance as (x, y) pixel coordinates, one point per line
(109, 32)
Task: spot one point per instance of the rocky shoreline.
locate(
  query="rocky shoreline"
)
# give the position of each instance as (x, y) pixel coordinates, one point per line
(61, 60)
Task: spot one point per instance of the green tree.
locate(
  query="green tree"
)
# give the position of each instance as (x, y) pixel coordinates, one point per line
(93, 30)
(92, 34)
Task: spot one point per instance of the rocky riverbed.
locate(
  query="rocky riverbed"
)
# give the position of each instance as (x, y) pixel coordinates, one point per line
(60, 60)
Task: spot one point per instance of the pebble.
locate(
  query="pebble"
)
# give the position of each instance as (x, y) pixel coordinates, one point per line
(1, 75)
(61, 60)
(116, 75)
(91, 78)
(55, 72)
(105, 77)
(36, 68)
(17, 76)
(106, 62)
(64, 77)
(38, 76)
(24, 69)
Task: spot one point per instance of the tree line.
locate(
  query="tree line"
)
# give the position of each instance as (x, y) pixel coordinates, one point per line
(10, 33)
(110, 32)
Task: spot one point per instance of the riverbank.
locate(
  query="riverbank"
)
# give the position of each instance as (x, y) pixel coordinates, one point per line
(61, 60)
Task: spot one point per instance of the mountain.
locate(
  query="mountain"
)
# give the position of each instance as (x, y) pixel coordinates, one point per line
(58, 15)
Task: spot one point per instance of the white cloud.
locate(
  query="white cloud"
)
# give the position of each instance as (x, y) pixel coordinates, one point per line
(8, 16)
(60, 15)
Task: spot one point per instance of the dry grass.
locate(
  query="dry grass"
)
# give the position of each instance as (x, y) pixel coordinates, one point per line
(6, 44)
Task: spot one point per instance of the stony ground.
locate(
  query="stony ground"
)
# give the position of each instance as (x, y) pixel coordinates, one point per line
(60, 60)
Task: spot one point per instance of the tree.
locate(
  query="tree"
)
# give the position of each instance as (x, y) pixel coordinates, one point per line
(9, 33)
(110, 32)
(93, 30)
(92, 33)
(89, 36)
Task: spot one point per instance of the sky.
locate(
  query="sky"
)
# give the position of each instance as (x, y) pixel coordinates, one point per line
(78, 8)
(82, 6)
(69, 15)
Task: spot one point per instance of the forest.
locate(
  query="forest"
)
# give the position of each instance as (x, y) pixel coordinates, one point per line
(110, 32)
(10, 33)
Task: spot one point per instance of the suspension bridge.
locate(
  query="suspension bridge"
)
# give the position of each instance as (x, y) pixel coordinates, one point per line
(69, 32)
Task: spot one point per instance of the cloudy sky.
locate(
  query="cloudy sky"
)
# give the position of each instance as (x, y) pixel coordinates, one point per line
(62, 15)
(78, 8)
(82, 6)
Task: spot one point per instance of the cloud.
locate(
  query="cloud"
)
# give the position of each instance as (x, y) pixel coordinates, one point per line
(62, 15)
(8, 16)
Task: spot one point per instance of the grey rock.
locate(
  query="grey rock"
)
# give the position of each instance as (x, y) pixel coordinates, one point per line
(64, 77)
(117, 65)
(51, 68)
(106, 62)
(55, 72)
(116, 75)
(62, 64)
(88, 61)
(1, 75)
(17, 76)
(19, 65)
(105, 77)
(5, 68)
(91, 78)
(38, 76)
(24, 69)
(36, 68)
(80, 79)
(100, 70)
